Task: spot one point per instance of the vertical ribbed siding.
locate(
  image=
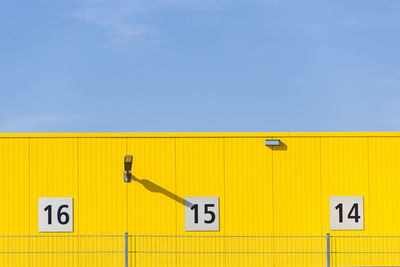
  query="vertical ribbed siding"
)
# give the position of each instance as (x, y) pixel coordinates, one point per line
(297, 200)
(103, 198)
(344, 163)
(384, 166)
(199, 172)
(297, 190)
(152, 198)
(14, 190)
(248, 199)
(249, 192)
(243, 172)
(53, 172)
(14, 171)
(102, 192)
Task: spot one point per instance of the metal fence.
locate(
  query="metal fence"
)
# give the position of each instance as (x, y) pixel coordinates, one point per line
(62, 250)
(228, 250)
(364, 251)
(198, 250)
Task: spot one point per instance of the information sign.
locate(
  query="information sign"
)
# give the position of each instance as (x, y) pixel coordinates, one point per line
(56, 214)
(201, 214)
(346, 212)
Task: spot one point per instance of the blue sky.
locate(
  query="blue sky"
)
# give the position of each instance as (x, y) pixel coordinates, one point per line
(194, 66)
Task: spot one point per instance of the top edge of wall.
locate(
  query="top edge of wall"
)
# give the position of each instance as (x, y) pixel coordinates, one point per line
(201, 135)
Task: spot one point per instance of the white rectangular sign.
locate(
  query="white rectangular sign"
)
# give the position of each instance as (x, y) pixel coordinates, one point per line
(201, 214)
(56, 214)
(346, 212)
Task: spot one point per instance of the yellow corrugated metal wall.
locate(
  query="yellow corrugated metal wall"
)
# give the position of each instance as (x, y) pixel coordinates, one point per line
(262, 190)
(15, 186)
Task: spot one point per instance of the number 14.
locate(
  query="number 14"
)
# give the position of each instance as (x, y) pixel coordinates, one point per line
(354, 210)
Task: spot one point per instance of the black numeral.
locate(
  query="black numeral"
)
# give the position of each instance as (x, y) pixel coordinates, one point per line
(340, 207)
(48, 208)
(61, 214)
(62, 217)
(353, 214)
(196, 213)
(206, 211)
(355, 210)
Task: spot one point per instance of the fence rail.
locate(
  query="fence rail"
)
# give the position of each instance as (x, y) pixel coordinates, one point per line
(199, 250)
(62, 250)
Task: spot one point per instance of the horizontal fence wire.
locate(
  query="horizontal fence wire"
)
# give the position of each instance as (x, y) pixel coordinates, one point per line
(365, 250)
(62, 250)
(204, 250)
(199, 250)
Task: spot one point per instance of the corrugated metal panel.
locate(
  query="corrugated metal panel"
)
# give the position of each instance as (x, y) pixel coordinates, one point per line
(297, 187)
(249, 187)
(53, 172)
(248, 200)
(200, 173)
(152, 195)
(263, 190)
(14, 190)
(384, 159)
(297, 198)
(102, 192)
(344, 166)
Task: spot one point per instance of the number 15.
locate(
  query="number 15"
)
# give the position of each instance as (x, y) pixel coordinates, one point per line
(206, 211)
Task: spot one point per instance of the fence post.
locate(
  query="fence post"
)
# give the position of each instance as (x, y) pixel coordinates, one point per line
(328, 251)
(126, 250)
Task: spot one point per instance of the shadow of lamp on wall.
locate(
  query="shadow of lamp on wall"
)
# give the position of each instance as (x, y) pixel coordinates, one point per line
(149, 185)
(275, 144)
(152, 187)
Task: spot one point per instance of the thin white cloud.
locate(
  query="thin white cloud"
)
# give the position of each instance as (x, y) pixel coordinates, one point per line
(114, 20)
(121, 19)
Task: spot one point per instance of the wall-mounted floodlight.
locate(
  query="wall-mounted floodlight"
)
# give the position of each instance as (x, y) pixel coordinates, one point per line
(273, 142)
(128, 167)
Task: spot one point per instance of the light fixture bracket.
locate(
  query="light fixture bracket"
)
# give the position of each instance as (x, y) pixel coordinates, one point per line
(127, 177)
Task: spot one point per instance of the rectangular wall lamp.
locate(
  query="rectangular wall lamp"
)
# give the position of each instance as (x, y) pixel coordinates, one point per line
(273, 142)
